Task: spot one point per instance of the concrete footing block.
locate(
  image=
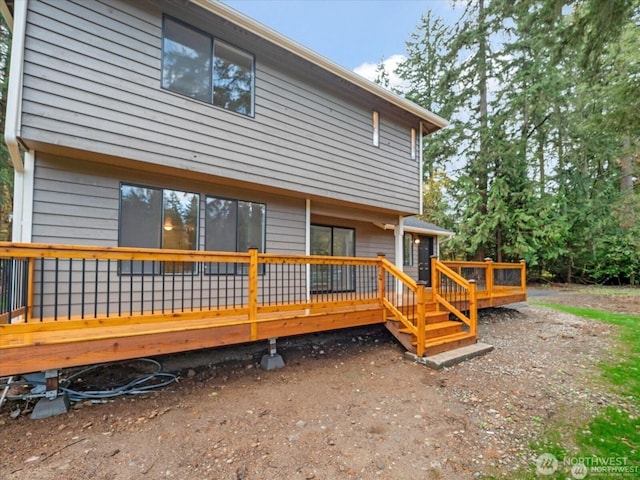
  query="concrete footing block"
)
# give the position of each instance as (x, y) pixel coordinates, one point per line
(271, 362)
(48, 408)
(452, 357)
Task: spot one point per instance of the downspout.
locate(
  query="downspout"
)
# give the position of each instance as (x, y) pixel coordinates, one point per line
(23, 180)
(307, 246)
(14, 93)
(420, 167)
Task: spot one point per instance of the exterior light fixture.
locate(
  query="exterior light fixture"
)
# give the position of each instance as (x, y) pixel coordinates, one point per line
(417, 241)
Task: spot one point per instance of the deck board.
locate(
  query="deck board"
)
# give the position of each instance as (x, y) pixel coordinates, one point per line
(60, 348)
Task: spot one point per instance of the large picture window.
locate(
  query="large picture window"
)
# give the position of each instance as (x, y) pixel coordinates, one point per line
(233, 226)
(200, 66)
(157, 218)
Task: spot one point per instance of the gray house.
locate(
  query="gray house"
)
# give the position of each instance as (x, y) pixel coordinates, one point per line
(174, 124)
(188, 178)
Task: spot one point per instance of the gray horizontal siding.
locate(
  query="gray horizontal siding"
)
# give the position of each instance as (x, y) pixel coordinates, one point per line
(76, 202)
(92, 82)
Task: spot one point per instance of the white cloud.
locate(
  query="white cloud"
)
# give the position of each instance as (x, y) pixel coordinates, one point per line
(368, 71)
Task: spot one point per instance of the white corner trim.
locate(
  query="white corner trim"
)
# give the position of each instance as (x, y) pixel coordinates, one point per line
(23, 201)
(399, 237)
(14, 94)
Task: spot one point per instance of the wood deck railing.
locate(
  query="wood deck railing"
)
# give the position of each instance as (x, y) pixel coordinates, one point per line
(404, 299)
(41, 283)
(455, 294)
(58, 288)
(493, 277)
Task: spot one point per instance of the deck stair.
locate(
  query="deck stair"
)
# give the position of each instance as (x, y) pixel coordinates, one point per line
(442, 333)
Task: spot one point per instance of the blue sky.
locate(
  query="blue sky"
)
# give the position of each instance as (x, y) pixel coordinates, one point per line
(356, 34)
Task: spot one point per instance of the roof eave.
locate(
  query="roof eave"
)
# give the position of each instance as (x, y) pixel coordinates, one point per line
(426, 231)
(257, 28)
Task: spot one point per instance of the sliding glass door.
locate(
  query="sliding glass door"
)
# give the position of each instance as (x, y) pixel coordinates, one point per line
(332, 241)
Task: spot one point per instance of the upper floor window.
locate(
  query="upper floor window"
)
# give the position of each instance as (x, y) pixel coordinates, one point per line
(200, 66)
(375, 125)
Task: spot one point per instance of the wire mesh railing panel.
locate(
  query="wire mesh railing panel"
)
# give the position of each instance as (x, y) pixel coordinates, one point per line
(478, 274)
(507, 277)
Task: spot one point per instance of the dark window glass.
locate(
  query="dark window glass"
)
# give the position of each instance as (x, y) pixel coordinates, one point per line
(251, 218)
(233, 226)
(232, 79)
(156, 218)
(201, 67)
(334, 241)
(140, 222)
(180, 226)
(221, 217)
(408, 250)
(186, 61)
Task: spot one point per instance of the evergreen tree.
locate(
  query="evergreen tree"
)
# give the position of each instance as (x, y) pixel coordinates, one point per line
(6, 168)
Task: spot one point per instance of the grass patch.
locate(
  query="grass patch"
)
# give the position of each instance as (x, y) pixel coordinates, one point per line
(625, 374)
(611, 291)
(613, 437)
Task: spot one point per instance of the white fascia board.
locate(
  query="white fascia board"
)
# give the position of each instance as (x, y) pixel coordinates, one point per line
(14, 93)
(257, 28)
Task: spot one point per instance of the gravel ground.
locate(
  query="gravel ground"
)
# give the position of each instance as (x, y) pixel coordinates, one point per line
(348, 404)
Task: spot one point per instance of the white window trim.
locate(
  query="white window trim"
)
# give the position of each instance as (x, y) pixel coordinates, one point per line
(376, 128)
(413, 144)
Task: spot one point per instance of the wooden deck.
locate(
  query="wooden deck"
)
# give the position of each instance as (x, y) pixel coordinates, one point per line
(68, 306)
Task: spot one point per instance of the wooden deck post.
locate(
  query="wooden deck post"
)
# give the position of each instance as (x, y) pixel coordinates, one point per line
(435, 286)
(253, 292)
(382, 287)
(489, 277)
(421, 337)
(28, 314)
(473, 308)
(523, 276)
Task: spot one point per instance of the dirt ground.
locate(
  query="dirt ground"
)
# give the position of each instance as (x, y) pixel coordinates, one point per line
(348, 405)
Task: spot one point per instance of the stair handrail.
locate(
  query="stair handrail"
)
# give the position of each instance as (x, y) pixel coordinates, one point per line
(437, 268)
(419, 328)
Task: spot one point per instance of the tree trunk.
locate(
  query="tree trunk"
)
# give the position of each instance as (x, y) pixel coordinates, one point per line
(626, 169)
(481, 162)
